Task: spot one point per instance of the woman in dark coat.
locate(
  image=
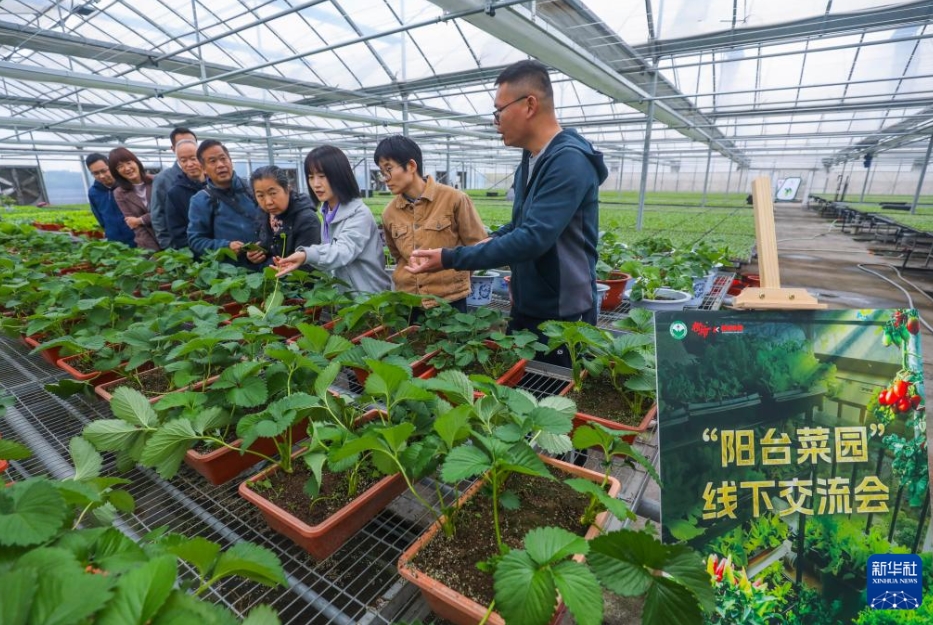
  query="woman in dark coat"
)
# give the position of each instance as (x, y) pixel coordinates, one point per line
(292, 218)
(132, 194)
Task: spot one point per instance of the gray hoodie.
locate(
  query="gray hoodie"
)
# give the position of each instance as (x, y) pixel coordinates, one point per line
(354, 253)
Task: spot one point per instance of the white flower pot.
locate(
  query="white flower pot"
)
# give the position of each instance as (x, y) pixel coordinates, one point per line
(481, 289)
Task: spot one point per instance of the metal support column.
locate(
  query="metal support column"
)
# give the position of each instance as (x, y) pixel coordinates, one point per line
(269, 141)
(896, 176)
(923, 173)
(619, 179)
(709, 159)
(447, 173)
(85, 175)
(405, 115)
(645, 151)
(729, 180)
(864, 185)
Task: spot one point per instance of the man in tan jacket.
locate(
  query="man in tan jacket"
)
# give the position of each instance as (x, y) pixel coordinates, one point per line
(424, 215)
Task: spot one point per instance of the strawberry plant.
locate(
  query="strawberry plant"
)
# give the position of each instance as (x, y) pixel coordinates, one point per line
(62, 563)
(625, 562)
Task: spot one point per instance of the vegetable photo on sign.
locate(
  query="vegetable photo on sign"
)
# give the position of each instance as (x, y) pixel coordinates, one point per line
(793, 448)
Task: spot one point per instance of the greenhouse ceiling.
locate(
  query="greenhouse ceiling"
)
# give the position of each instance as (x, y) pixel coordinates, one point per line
(797, 83)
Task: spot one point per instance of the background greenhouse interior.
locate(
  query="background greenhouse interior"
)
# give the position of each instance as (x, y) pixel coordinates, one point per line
(688, 101)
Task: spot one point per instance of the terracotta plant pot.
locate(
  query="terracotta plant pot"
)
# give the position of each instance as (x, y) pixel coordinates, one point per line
(99, 377)
(420, 365)
(510, 378)
(50, 355)
(449, 604)
(582, 418)
(223, 464)
(105, 391)
(616, 283)
(324, 539)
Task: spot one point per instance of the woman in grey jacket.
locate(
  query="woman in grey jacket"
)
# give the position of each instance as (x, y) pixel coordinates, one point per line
(350, 248)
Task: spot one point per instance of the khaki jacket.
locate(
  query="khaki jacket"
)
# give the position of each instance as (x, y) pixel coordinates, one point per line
(441, 217)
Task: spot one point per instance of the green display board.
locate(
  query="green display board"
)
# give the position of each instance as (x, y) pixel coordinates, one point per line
(793, 448)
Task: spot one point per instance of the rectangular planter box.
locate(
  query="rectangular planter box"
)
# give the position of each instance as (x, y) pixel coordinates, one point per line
(510, 378)
(223, 464)
(449, 604)
(105, 391)
(98, 377)
(582, 418)
(50, 355)
(324, 539)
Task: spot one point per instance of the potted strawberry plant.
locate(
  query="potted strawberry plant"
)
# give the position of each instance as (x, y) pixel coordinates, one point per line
(613, 376)
(517, 483)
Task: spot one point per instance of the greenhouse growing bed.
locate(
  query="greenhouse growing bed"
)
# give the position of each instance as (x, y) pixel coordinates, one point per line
(358, 584)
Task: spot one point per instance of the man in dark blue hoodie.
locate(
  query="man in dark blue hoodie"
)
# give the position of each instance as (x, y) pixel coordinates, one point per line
(104, 207)
(551, 242)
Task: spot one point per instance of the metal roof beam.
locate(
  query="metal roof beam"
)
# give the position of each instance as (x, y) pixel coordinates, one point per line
(42, 74)
(883, 18)
(561, 34)
(17, 36)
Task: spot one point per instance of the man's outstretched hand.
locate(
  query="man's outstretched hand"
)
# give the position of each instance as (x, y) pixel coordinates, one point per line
(425, 261)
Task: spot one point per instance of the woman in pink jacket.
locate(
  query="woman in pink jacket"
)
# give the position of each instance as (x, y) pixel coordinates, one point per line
(132, 194)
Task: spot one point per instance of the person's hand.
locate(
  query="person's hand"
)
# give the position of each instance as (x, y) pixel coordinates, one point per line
(289, 263)
(486, 240)
(133, 222)
(422, 261)
(256, 256)
(236, 246)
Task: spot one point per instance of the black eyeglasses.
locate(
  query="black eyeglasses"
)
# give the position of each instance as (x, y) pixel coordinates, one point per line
(496, 114)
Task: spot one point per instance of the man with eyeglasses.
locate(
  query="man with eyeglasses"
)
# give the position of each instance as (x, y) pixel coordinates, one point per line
(224, 213)
(424, 213)
(163, 182)
(104, 207)
(550, 243)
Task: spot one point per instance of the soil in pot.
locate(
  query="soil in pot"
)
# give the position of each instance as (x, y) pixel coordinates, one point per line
(150, 383)
(287, 492)
(453, 561)
(603, 400)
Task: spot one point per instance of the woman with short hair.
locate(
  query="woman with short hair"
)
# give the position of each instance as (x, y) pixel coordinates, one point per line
(350, 248)
(132, 194)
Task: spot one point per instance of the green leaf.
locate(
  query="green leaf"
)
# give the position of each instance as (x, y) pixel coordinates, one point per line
(551, 420)
(385, 378)
(252, 562)
(458, 387)
(140, 593)
(113, 551)
(182, 398)
(210, 419)
(121, 500)
(262, 615)
(78, 494)
(31, 512)
(166, 449)
(315, 463)
(580, 591)
(397, 435)
(525, 595)
(587, 436)
(523, 459)
(669, 602)
(672, 577)
(68, 596)
(10, 450)
(112, 434)
(250, 393)
(509, 501)
(559, 403)
(547, 545)
(555, 444)
(452, 426)
(616, 506)
(17, 589)
(199, 552)
(464, 462)
(326, 377)
(85, 458)
(68, 387)
(133, 407)
(684, 530)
